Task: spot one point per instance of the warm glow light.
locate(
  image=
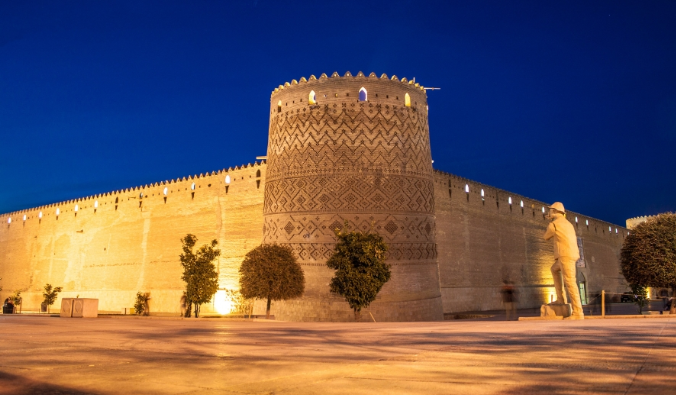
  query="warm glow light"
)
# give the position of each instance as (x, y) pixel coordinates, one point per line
(24, 217)
(9, 220)
(96, 204)
(40, 215)
(522, 204)
(227, 179)
(222, 303)
(165, 191)
(510, 200)
(466, 188)
(192, 186)
(543, 210)
(482, 193)
(575, 219)
(586, 221)
(77, 208)
(58, 211)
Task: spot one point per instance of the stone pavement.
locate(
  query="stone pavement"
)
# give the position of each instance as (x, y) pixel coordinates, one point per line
(43, 355)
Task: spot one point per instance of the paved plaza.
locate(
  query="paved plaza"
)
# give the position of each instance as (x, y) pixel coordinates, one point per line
(49, 355)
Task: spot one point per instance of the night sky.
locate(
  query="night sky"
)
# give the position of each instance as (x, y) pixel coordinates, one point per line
(569, 101)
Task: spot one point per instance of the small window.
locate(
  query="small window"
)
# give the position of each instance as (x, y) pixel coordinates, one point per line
(58, 211)
(76, 208)
(140, 195)
(227, 179)
(610, 229)
(362, 94)
(586, 222)
(24, 217)
(192, 187)
(466, 188)
(279, 106)
(521, 204)
(510, 200)
(165, 191)
(407, 100)
(96, 203)
(40, 214)
(258, 173)
(543, 209)
(9, 220)
(482, 193)
(312, 98)
(575, 219)
(615, 230)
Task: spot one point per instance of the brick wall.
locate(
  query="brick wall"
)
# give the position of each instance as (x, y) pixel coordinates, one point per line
(134, 244)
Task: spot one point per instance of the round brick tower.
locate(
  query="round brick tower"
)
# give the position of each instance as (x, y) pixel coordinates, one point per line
(356, 149)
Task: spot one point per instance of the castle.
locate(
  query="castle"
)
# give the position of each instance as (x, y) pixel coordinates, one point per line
(341, 148)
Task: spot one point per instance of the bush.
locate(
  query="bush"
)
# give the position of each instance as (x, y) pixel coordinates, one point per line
(141, 306)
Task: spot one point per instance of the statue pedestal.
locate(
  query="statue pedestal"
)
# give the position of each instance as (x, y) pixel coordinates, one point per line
(554, 309)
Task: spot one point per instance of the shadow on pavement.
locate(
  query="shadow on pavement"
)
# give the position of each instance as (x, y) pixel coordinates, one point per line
(19, 385)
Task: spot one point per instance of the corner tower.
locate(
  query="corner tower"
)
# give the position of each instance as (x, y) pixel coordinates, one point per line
(355, 149)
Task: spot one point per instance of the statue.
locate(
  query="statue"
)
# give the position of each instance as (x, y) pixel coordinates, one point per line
(566, 253)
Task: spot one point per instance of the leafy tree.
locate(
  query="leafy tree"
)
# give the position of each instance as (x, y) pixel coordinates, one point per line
(649, 254)
(270, 271)
(141, 306)
(50, 295)
(199, 272)
(361, 271)
(640, 296)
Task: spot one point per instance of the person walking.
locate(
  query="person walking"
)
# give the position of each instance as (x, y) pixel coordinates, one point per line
(184, 304)
(509, 300)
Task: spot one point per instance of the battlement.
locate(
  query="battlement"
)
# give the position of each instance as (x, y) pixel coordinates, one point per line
(360, 75)
(483, 192)
(634, 222)
(140, 188)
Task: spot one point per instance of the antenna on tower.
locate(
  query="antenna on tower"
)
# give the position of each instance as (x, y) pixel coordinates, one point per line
(431, 89)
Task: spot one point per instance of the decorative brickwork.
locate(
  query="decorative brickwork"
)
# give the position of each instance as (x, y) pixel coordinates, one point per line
(365, 162)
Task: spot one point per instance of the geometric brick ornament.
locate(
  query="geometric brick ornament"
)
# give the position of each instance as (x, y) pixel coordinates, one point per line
(355, 149)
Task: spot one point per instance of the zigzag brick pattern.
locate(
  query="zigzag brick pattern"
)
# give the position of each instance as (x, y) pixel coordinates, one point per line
(365, 162)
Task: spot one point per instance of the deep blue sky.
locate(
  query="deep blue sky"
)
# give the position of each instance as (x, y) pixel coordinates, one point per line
(553, 100)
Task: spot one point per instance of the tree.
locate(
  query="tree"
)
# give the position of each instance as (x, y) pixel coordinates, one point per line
(141, 306)
(270, 272)
(649, 254)
(199, 272)
(361, 271)
(50, 295)
(16, 299)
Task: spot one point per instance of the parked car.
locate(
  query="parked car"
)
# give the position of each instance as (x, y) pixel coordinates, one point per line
(627, 297)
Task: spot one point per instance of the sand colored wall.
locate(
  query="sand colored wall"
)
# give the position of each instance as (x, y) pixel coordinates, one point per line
(480, 242)
(134, 244)
(366, 162)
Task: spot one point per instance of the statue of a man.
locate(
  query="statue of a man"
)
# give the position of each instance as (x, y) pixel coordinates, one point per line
(566, 253)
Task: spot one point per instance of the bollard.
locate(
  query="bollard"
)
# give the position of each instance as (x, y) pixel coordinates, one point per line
(603, 303)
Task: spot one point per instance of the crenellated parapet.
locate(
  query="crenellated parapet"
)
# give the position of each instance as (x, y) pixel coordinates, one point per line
(159, 188)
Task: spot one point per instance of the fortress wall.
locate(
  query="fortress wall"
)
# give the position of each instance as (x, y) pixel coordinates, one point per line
(481, 242)
(365, 162)
(134, 244)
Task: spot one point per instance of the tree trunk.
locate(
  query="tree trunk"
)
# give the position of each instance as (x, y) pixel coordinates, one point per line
(197, 310)
(188, 310)
(357, 314)
(267, 311)
(672, 308)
